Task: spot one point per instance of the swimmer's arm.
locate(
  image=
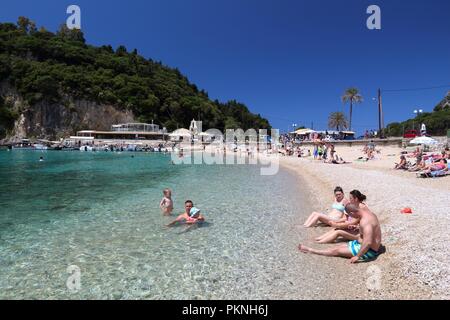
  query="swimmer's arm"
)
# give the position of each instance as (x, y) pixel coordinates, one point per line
(178, 219)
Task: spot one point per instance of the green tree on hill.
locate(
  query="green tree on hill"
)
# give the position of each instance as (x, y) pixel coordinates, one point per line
(58, 68)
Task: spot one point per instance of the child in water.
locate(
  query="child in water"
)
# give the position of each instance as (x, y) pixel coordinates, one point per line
(166, 203)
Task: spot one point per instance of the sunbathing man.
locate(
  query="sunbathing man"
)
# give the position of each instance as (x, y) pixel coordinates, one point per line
(368, 245)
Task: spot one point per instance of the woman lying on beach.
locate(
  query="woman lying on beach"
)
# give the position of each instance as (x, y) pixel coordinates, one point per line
(335, 159)
(349, 229)
(441, 166)
(336, 214)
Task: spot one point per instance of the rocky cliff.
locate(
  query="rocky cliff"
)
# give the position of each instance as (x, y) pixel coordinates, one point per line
(58, 120)
(445, 103)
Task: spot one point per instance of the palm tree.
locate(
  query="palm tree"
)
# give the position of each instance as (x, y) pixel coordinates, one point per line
(352, 95)
(337, 120)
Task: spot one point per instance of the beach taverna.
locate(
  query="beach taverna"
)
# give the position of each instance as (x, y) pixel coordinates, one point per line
(123, 132)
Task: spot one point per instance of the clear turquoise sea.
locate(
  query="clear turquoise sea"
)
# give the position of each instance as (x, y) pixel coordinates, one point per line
(99, 211)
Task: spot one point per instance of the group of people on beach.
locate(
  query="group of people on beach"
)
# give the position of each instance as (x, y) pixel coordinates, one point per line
(354, 226)
(426, 165)
(323, 151)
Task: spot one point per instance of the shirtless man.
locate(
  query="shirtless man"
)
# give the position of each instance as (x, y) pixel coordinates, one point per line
(191, 215)
(365, 248)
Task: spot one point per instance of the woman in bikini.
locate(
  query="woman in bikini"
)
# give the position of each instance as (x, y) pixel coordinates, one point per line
(335, 215)
(348, 230)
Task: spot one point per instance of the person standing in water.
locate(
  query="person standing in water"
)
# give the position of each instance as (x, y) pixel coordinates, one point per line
(166, 203)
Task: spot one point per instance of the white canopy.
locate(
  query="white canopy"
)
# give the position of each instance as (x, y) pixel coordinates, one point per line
(181, 133)
(304, 131)
(423, 140)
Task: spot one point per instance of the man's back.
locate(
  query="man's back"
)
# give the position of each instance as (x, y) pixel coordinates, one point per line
(370, 227)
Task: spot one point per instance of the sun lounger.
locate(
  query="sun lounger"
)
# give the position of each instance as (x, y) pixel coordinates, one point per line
(433, 174)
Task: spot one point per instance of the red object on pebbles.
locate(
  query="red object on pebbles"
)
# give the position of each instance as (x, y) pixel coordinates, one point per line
(406, 211)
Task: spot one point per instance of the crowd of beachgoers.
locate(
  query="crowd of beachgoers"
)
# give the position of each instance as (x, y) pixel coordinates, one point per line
(425, 164)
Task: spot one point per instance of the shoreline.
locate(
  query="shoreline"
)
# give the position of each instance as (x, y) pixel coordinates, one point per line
(407, 272)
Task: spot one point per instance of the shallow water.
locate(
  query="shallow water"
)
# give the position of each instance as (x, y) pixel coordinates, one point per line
(99, 211)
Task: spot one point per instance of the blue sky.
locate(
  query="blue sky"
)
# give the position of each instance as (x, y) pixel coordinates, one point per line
(289, 60)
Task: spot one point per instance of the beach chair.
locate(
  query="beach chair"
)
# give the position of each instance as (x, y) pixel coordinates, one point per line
(433, 174)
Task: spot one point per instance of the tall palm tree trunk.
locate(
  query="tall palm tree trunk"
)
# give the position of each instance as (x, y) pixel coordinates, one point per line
(351, 112)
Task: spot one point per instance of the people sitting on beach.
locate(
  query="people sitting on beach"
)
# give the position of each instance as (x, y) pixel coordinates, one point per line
(402, 165)
(191, 215)
(349, 229)
(166, 203)
(335, 159)
(365, 248)
(336, 214)
(418, 166)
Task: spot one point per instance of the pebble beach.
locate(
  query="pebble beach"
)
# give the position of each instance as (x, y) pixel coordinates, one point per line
(416, 264)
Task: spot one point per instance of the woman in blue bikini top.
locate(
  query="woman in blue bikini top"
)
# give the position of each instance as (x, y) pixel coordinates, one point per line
(336, 214)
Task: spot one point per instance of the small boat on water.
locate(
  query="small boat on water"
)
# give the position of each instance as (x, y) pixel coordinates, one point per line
(87, 148)
(40, 146)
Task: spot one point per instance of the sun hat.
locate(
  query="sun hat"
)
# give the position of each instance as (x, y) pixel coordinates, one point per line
(194, 211)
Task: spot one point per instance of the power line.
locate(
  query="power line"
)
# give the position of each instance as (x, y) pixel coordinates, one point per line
(418, 89)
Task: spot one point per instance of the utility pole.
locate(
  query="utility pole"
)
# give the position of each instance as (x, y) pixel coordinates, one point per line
(380, 116)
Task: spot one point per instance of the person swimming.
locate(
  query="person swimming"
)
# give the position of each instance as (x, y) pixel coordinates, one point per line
(336, 214)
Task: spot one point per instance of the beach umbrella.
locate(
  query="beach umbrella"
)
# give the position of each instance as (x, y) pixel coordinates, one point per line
(423, 140)
(181, 133)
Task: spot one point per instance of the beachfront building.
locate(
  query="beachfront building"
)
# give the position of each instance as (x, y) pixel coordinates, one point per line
(136, 133)
(195, 127)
